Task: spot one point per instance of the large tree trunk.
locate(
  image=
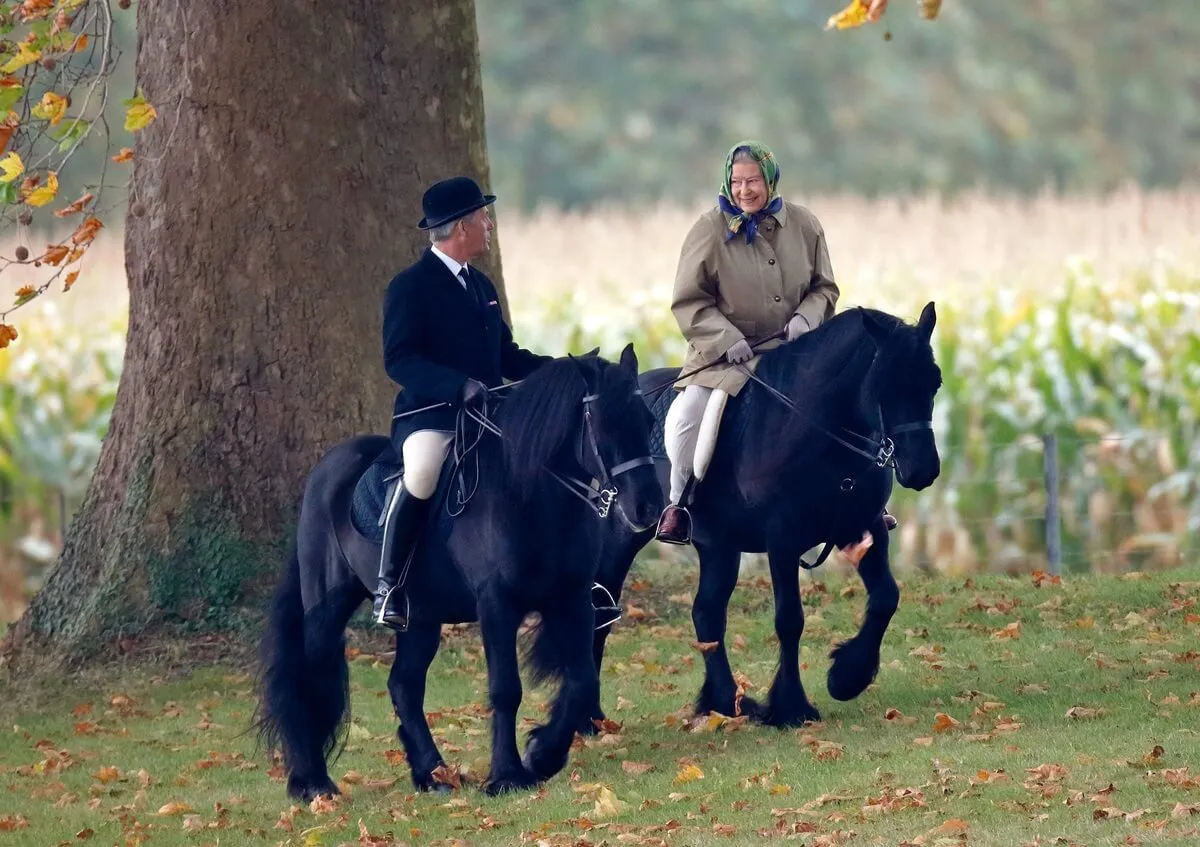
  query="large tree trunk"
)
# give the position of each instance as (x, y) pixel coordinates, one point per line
(272, 201)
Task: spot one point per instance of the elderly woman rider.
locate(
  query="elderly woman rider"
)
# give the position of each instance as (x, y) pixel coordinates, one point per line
(753, 266)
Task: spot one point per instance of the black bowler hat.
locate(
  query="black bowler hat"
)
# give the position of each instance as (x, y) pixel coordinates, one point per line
(450, 200)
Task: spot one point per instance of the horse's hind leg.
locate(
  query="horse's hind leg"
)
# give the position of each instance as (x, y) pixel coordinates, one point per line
(787, 704)
(498, 622)
(718, 577)
(855, 662)
(415, 650)
(568, 630)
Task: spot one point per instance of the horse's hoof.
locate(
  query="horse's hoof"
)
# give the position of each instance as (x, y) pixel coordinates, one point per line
(722, 703)
(510, 782)
(426, 784)
(853, 669)
(791, 718)
(541, 763)
(310, 789)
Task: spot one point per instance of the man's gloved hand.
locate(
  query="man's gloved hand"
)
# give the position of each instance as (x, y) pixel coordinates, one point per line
(796, 327)
(739, 352)
(473, 393)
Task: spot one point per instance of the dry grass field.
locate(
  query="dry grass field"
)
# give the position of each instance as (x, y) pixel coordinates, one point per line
(889, 253)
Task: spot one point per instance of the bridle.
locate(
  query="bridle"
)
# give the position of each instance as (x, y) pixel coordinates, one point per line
(600, 492)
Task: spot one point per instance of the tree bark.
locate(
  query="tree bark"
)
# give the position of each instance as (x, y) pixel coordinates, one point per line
(272, 200)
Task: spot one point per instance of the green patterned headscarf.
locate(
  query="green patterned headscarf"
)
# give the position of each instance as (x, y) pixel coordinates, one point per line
(735, 217)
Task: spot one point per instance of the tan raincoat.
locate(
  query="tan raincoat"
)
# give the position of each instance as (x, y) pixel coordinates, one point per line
(729, 290)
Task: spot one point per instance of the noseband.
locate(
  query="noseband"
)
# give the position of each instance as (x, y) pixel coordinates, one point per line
(601, 492)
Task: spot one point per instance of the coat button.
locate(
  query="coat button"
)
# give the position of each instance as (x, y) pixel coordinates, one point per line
(770, 261)
(777, 298)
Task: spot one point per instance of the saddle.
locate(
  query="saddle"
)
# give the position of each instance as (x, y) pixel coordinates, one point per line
(372, 492)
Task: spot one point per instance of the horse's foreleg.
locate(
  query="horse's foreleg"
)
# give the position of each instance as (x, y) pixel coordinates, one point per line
(415, 650)
(498, 622)
(718, 576)
(613, 582)
(787, 704)
(855, 662)
(569, 627)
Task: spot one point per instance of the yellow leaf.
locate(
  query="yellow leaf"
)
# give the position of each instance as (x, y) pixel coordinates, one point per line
(24, 294)
(689, 773)
(174, 808)
(52, 108)
(12, 167)
(43, 195)
(607, 804)
(25, 56)
(853, 15)
(138, 113)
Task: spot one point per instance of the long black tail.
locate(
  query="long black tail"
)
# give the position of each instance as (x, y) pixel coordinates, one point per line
(543, 653)
(304, 684)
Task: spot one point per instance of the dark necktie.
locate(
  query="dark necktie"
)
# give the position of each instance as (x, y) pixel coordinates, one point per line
(469, 285)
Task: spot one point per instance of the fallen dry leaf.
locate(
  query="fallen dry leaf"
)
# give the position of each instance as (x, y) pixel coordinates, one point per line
(942, 722)
(174, 808)
(688, 773)
(636, 768)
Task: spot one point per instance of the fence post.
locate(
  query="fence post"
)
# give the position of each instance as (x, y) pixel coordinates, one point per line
(1050, 476)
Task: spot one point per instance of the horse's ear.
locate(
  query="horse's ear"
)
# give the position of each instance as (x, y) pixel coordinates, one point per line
(928, 320)
(629, 362)
(590, 354)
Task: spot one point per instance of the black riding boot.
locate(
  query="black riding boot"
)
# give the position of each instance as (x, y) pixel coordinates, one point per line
(405, 518)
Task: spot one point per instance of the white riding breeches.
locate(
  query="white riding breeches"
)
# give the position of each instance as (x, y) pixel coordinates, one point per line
(691, 433)
(424, 453)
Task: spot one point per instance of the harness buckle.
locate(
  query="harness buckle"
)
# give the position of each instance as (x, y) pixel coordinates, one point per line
(887, 453)
(606, 498)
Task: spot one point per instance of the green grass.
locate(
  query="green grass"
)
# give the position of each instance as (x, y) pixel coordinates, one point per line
(867, 775)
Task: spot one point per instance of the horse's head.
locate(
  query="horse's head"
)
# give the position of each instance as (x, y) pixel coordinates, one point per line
(582, 418)
(616, 437)
(900, 387)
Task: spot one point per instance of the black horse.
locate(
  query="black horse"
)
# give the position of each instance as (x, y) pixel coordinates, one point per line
(573, 448)
(805, 455)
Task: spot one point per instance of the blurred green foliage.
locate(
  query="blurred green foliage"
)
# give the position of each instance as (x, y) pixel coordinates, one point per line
(628, 101)
(1112, 369)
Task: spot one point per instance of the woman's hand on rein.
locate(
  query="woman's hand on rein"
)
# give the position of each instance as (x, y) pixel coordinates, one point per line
(740, 352)
(796, 327)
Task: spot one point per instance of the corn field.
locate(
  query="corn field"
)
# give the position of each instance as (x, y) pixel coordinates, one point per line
(1074, 317)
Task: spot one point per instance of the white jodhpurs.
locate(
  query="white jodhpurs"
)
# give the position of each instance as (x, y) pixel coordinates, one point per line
(691, 433)
(424, 453)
